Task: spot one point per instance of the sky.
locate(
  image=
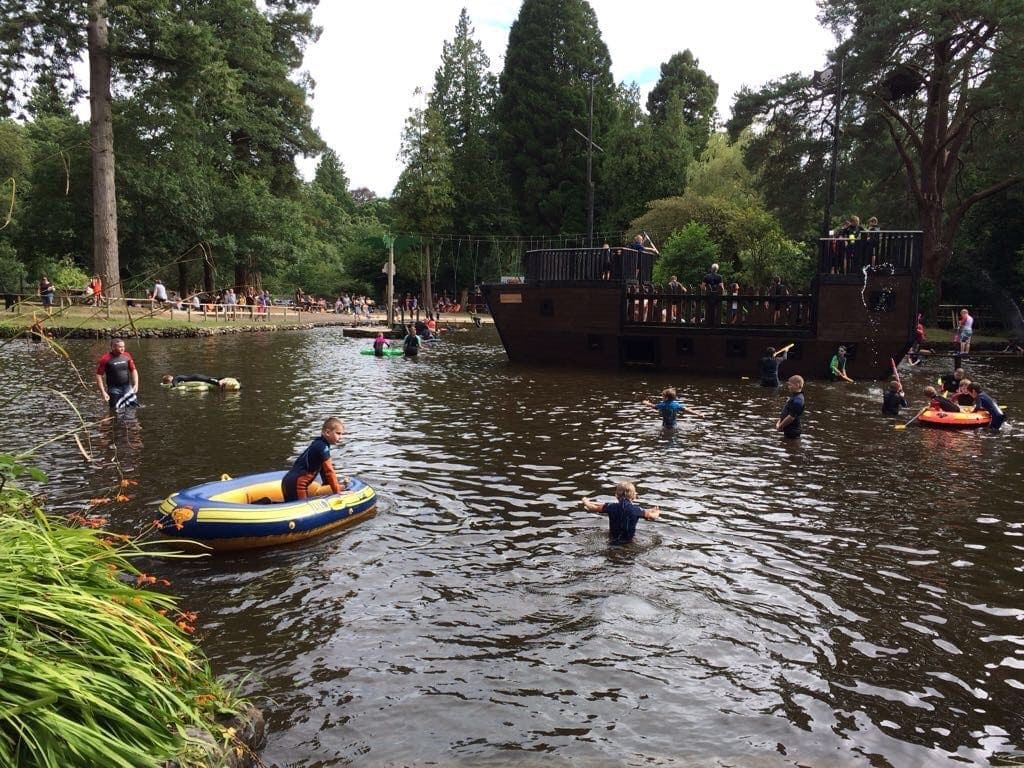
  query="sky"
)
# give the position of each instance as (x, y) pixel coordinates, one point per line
(372, 56)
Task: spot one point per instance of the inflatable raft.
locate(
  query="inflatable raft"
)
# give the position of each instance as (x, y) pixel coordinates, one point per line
(965, 418)
(388, 351)
(248, 512)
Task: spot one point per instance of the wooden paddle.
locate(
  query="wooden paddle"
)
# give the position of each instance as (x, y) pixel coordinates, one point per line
(896, 373)
(904, 426)
(784, 350)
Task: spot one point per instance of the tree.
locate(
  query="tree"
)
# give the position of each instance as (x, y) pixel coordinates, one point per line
(424, 196)
(687, 91)
(40, 34)
(330, 179)
(464, 95)
(225, 64)
(554, 53)
(933, 75)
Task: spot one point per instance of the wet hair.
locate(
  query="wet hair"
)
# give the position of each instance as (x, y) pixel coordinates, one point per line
(625, 490)
(797, 380)
(894, 385)
(974, 386)
(669, 393)
(960, 371)
(769, 350)
(931, 391)
(167, 379)
(332, 423)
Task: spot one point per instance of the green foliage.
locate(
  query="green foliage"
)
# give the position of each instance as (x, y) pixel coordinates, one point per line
(773, 255)
(687, 94)
(688, 254)
(928, 98)
(555, 54)
(644, 160)
(96, 671)
(12, 272)
(11, 469)
(66, 275)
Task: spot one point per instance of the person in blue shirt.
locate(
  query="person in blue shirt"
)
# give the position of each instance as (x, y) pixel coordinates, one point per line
(983, 402)
(789, 420)
(623, 513)
(315, 460)
(670, 408)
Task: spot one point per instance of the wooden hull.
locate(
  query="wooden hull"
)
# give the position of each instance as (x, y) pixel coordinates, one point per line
(596, 324)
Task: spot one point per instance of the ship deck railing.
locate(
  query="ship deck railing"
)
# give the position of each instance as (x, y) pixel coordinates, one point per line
(898, 252)
(650, 306)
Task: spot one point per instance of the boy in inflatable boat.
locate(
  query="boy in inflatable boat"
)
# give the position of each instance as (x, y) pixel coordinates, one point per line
(315, 460)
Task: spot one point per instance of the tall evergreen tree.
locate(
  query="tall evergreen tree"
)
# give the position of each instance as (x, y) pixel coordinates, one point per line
(555, 53)
(687, 91)
(424, 196)
(464, 96)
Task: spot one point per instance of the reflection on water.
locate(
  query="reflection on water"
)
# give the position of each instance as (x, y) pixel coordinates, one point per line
(852, 598)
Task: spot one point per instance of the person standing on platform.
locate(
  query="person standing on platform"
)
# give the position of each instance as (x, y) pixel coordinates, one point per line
(965, 330)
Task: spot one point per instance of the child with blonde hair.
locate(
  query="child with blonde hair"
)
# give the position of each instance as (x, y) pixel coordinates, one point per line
(623, 513)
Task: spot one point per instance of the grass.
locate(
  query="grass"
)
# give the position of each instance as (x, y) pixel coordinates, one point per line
(96, 669)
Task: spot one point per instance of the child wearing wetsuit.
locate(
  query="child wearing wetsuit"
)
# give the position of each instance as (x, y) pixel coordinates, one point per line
(623, 513)
(315, 460)
(670, 408)
(983, 402)
(770, 367)
(379, 343)
(789, 420)
(893, 400)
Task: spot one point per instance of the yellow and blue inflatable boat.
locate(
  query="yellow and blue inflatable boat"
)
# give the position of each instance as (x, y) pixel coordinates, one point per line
(249, 512)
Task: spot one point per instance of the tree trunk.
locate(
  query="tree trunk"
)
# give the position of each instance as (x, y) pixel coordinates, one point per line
(183, 288)
(208, 275)
(428, 294)
(104, 196)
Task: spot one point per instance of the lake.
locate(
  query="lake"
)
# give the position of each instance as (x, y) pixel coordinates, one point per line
(853, 598)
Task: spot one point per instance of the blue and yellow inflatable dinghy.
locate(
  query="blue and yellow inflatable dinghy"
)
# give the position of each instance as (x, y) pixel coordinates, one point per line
(248, 512)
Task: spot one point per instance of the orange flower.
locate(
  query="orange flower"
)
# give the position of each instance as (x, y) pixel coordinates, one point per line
(122, 497)
(96, 502)
(125, 482)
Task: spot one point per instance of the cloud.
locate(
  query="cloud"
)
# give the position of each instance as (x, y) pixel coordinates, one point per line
(372, 56)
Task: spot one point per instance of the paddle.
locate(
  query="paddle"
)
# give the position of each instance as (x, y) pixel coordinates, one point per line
(904, 426)
(784, 350)
(896, 373)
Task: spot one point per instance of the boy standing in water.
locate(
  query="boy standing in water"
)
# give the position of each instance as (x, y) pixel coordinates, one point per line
(669, 408)
(789, 420)
(623, 513)
(315, 460)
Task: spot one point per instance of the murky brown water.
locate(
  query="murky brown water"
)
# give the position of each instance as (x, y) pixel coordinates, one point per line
(851, 599)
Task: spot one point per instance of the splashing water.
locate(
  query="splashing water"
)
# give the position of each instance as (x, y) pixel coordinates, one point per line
(878, 302)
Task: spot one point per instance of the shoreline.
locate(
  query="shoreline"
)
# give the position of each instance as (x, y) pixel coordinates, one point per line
(155, 329)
